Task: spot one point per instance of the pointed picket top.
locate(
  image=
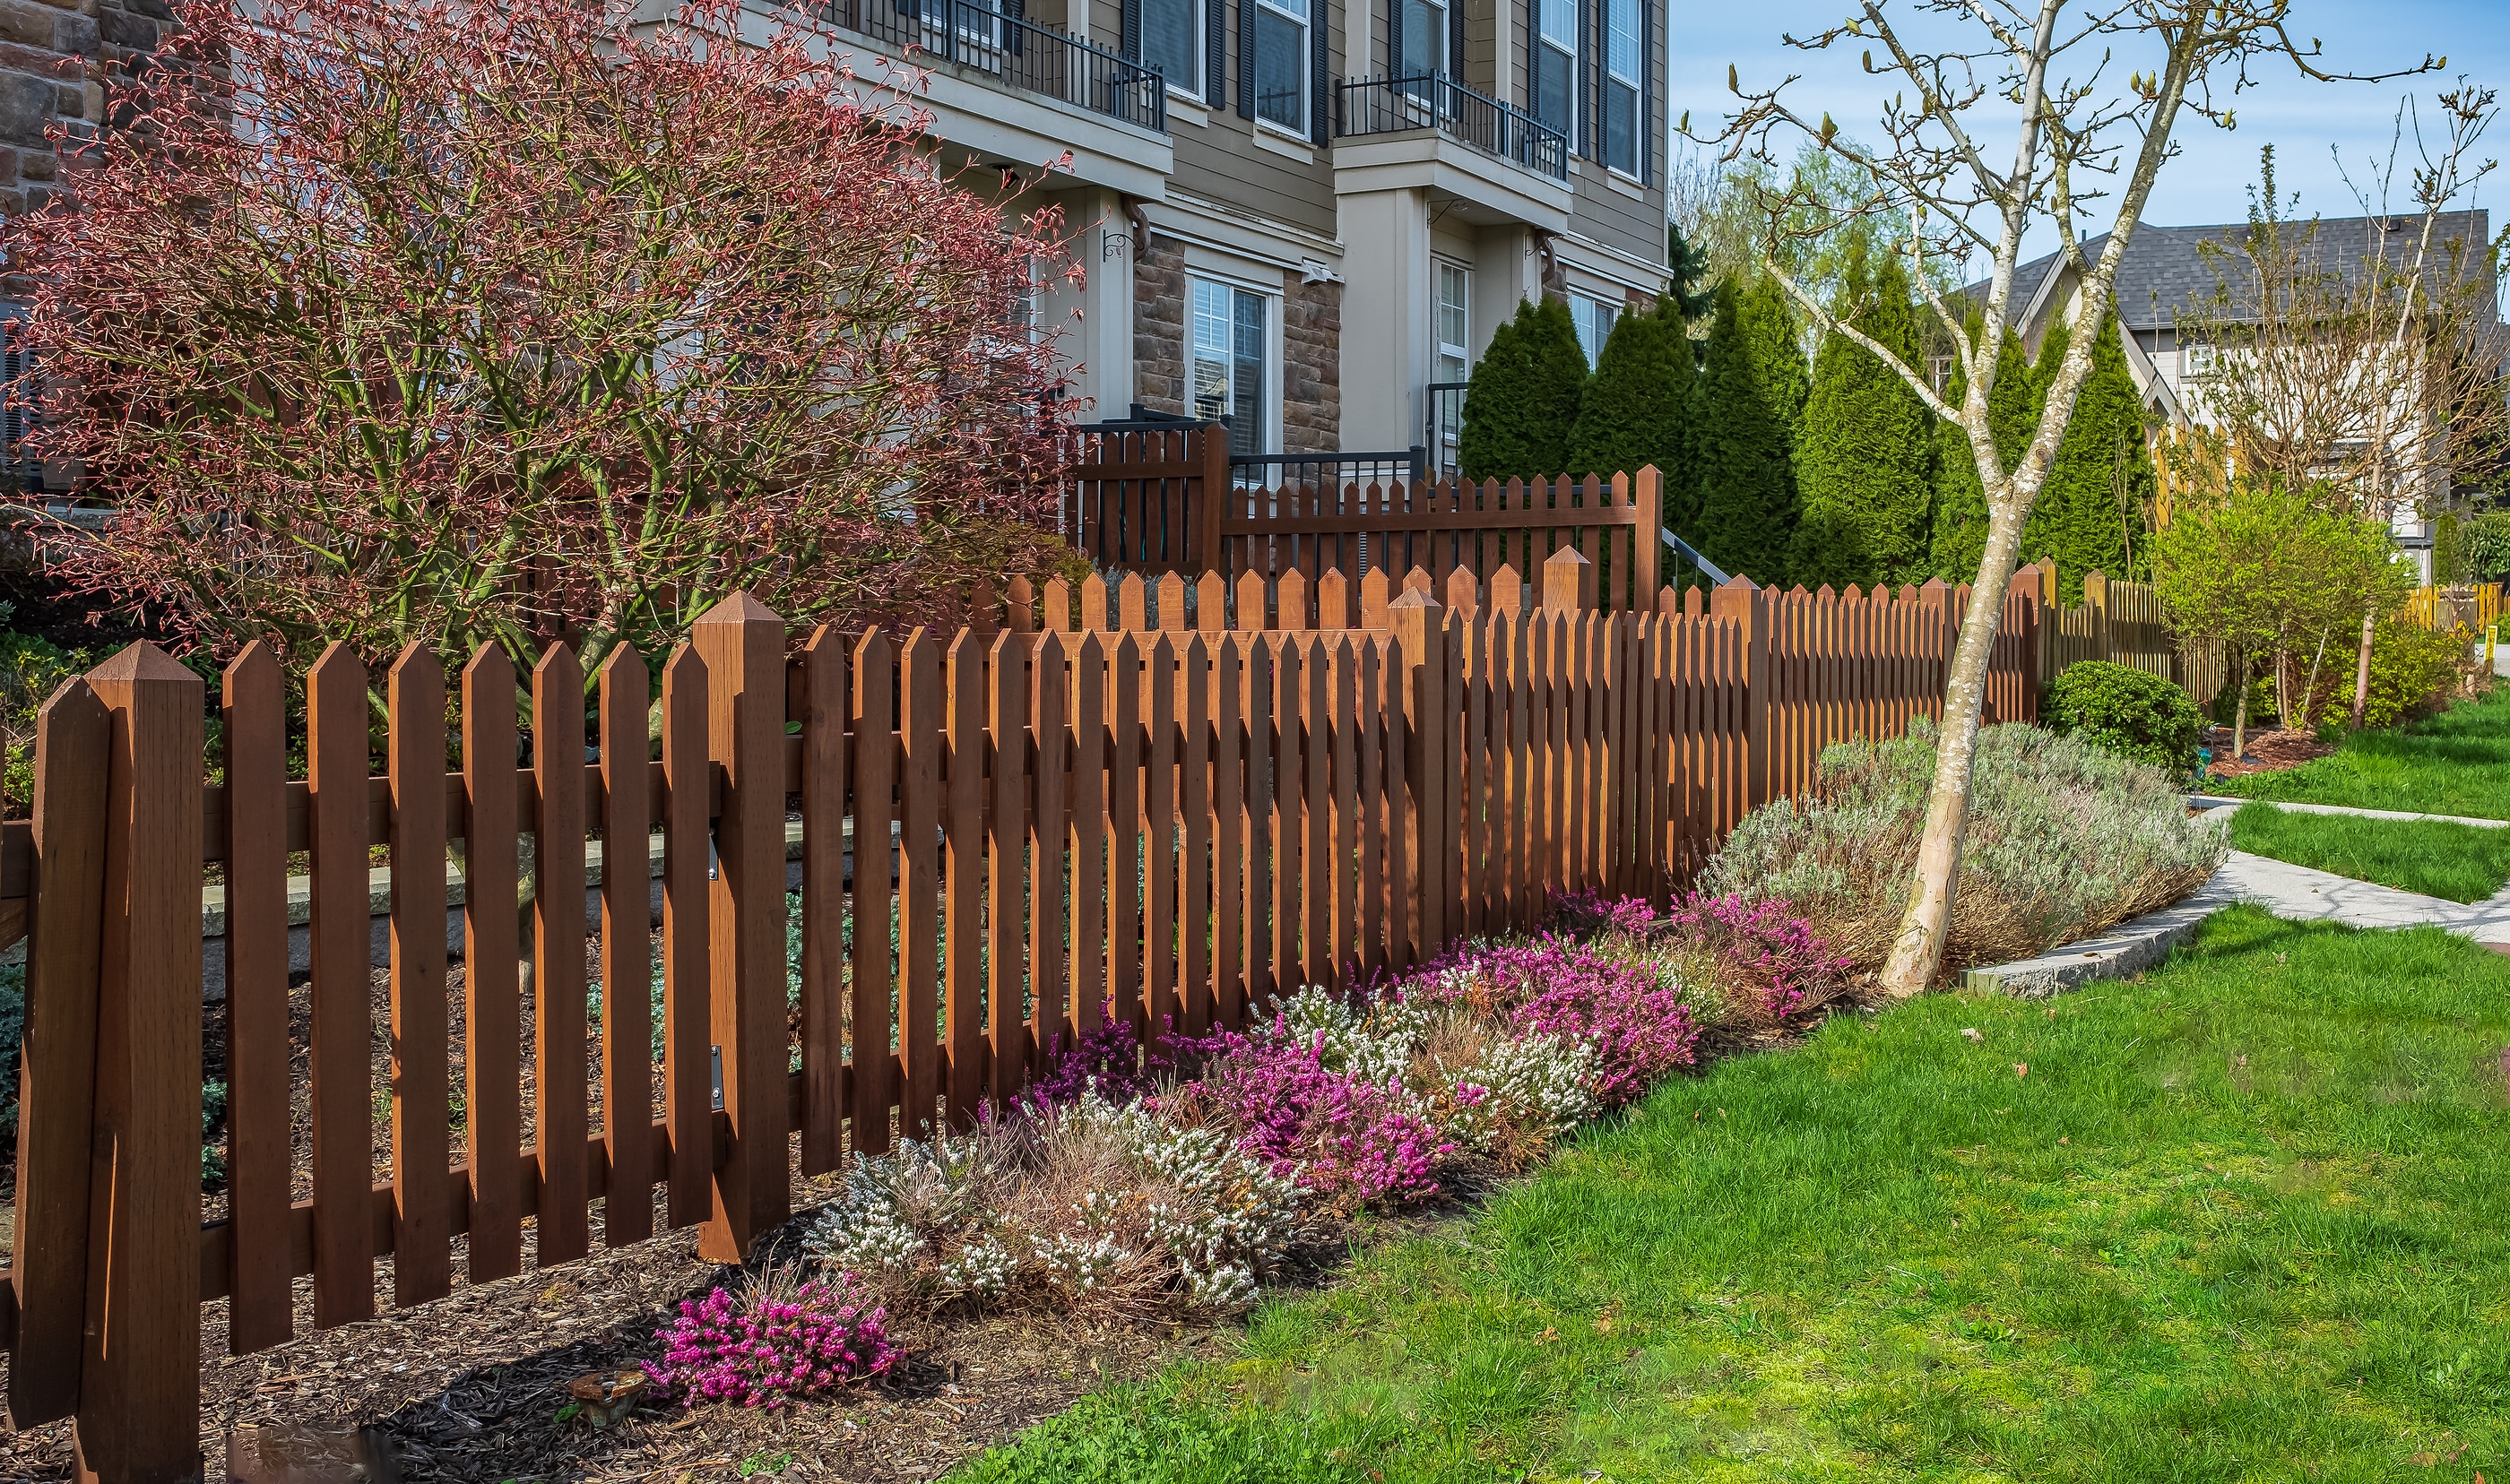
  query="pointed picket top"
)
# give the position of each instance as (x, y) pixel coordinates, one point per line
(559, 668)
(1825, 594)
(490, 667)
(1250, 602)
(1093, 602)
(1417, 579)
(872, 652)
(417, 664)
(1290, 600)
(254, 667)
(1908, 594)
(1333, 600)
(1462, 592)
(1798, 593)
(1093, 647)
(1507, 590)
(1131, 611)
(1933, 591)
(1211, 603)
(1373, 596)
(1694, 601)
(1854, 594)
(1057, 601)
(1020, 604)
(1173, 602)
(337, 665)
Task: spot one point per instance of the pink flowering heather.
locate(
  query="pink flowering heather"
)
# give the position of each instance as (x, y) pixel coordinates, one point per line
(1593, 912)
(1109, 1056)
(1634, 1022)
(768, 1348)
(1348, 1138)
(1766, 944)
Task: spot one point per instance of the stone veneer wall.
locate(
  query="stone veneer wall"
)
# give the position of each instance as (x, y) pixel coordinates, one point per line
(1311, 350)
(1311, 370)
(53, 59)
(1159, 329)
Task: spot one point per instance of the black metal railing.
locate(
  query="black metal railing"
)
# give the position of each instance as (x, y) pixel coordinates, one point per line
(1331, 471)
(1443, 429)
(1393, 105)
(991, 36)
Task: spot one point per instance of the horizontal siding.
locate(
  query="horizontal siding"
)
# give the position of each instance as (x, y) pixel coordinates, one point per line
(1221, 163)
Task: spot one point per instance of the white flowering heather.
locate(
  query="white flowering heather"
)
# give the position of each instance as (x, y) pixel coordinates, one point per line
(983, 1267)
(896, 1204)
(862, 1232)
(1231, 1217)
(1543, 1078)
(1081, 1263)
(1374, 1043)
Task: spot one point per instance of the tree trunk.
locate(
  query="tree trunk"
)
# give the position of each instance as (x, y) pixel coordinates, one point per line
(2240, 713)
(1918, 951)
(2362, 665)
(2310, 688)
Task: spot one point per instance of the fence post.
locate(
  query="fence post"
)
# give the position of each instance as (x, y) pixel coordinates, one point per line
(57, 1079)
(2096, 600)
(1420, 630)
(742, 644)
(1568, 582)
(139, 1395)
(1211, 499)
(1647, 491)
(1740, 603)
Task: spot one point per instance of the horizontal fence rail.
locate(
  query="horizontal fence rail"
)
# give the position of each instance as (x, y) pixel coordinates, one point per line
(1129, 801)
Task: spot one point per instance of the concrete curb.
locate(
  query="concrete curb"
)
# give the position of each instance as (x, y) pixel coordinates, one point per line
(2130, 947)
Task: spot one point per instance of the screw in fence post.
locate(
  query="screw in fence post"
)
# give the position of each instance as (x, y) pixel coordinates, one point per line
(140, 1382)
(742, 644)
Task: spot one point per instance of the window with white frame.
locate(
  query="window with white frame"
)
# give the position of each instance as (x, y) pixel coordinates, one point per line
(1172, 42)
(1233, 349)
(1424, 37)
(1556, 64)
(1281, 62)
(1455, 355)
(1624, 87)
(1595, 321)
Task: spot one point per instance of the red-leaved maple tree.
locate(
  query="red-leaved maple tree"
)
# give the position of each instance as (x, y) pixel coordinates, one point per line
(460, 323)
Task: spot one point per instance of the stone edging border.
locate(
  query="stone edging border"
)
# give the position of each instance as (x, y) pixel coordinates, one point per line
(2130, 947)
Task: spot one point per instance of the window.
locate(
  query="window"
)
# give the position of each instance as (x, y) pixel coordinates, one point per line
(1231, 348)
(1172, 42)
(2198, 361)
(1281, 62)
(1556, 64)
(1455, 358)
(1424, 38)
(1624, 87)
(1594, 319)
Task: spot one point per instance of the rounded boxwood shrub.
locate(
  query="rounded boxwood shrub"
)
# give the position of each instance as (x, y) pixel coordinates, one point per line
(2133, 712)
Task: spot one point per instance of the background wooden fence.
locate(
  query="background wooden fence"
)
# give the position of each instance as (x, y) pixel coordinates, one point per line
(2123, 622)
(1115, 811)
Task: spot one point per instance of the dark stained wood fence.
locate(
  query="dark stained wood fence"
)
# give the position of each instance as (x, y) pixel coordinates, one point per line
(1164, 808)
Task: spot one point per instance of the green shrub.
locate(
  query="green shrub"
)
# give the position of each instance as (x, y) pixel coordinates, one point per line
(2413, 671)
(13, 1029)
(2133, 712)
(2262, 701)
(2065, 839)
(1522, 403)
(31, 669)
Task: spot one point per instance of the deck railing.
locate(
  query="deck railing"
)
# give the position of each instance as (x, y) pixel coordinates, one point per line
(1391, 105)
(993, 36)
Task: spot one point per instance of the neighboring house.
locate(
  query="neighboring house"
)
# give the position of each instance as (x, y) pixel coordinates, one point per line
(2169, 268)
(1304, 216)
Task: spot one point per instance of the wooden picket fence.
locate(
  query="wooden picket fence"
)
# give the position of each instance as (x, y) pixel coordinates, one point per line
(1116, 809)
(2123, 623)
(2478, 606)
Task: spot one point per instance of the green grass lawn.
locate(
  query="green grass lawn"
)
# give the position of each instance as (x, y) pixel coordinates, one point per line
(2462, 863)
(2455, 762)
(2246, 1218)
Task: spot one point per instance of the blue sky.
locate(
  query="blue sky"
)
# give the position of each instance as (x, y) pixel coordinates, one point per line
(2207, 182)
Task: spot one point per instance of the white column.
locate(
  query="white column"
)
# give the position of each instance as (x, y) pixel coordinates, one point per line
(1386, 328)
(1508, 271)
(1093, 322)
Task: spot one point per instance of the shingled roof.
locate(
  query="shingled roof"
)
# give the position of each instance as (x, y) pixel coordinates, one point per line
(2165, 269)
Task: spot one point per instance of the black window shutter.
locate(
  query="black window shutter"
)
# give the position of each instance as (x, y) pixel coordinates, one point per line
(1319, 82)
(1246, 59)
(1128, 43)
(1215, 51)
(1456, 39)
(1590, 62)
(1017, 9)
(1646, 91)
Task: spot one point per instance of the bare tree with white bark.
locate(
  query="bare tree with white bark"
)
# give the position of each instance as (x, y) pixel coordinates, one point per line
(2085, 144)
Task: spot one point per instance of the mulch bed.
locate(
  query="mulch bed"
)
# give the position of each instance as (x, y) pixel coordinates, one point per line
(2269, 751)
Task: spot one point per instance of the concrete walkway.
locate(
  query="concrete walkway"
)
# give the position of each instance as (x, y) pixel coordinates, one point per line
(2217, 803)
(2300, 894)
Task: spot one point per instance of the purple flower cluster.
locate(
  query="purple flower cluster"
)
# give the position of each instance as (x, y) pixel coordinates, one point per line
(1109, 1054)
(1592, 911)
(763, 1350)
(1635, 1023)
(1766, 944)
(1348, 1138)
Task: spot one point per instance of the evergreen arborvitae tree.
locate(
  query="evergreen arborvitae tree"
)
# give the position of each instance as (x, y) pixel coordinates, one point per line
(1959, 530)
(2039, 530)
(1636, 406)
(2102, 478)
(1751, 381)
(1864, 459)
(1687, 267)
(1522, 403)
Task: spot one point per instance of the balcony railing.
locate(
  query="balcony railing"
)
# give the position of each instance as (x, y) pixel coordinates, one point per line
(1034, 58)
(1393, 105)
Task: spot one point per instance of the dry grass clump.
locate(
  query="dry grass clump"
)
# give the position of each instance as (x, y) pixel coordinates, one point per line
(2064, 840)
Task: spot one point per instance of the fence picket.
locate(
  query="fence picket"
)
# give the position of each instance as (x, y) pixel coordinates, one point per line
(688, 1073)
(1194, 904)
(875, 755)
(963, 871)
(824, 711)
(557, 956)
(491, 959)
(918, 887)
(421, 1123)
(626, 951)
(259, 1313)
(335, 746)
(1048, 837)
(1006, 826)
